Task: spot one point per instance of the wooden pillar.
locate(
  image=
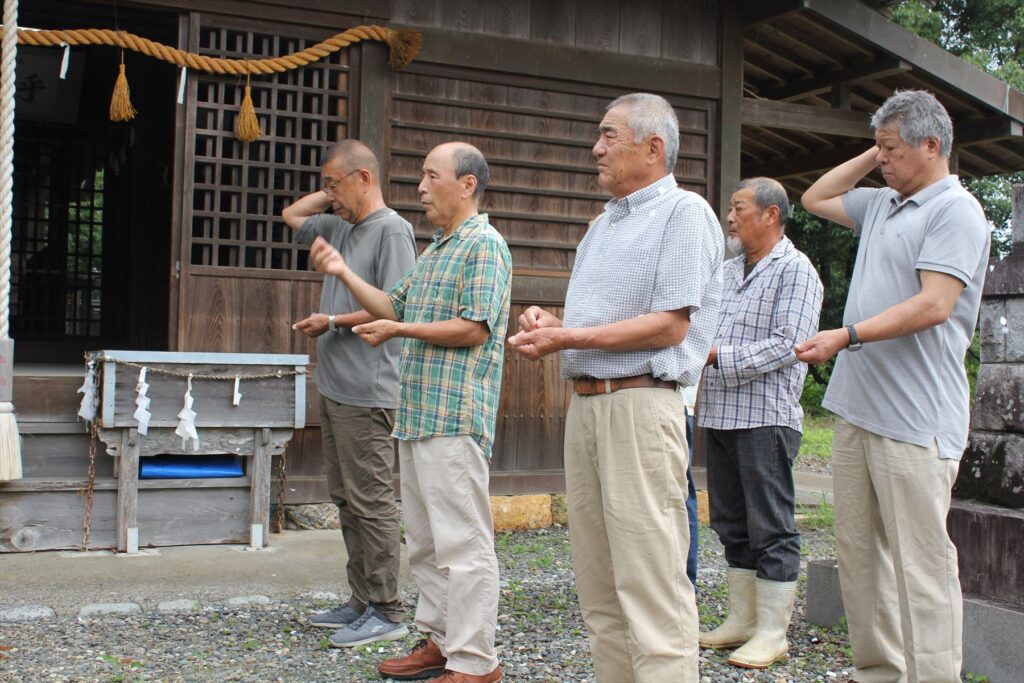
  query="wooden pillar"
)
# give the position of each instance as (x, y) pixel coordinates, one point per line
(259, 483)
(954, 159)
(128, 493)
(730, 118)
(372, 111)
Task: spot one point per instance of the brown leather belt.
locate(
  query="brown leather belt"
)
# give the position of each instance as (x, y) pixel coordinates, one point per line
(588, 386)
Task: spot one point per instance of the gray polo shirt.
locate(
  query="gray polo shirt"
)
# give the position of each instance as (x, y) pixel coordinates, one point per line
(913, 388)
(380, 249)
(658, 249)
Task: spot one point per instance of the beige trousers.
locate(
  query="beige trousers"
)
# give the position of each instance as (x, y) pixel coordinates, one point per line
(625, 472)
(897, 565)
(449, 534)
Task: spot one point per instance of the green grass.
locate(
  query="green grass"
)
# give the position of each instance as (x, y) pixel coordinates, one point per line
(820, 516)
(817, 442)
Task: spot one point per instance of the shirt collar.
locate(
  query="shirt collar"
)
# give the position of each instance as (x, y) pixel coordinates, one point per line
(631, 202)
(922, 197)
(464, 230)
(781, 248)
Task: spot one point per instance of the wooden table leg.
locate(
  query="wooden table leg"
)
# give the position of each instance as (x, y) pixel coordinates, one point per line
(260, 492)
(128, 493)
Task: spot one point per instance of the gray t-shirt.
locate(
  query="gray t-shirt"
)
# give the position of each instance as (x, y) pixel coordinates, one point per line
(912, 388)
(380, 249)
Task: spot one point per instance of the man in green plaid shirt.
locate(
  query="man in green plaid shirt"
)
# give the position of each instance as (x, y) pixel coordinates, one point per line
(452, 310)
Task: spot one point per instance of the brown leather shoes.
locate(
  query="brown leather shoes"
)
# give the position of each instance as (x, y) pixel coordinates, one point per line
(459, 677)
(423, 661)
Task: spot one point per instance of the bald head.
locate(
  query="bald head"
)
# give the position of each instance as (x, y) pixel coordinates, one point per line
(351, 156)
(467, 160)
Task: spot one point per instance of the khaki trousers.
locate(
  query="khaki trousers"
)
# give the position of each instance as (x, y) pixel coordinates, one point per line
(449, 534)
(897, 565)
(625, 472)
(359, 455)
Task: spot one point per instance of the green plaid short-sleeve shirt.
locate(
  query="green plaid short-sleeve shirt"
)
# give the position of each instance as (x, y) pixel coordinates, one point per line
(452, 391)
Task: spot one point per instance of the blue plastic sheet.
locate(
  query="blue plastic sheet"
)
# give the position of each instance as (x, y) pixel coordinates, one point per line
(189, 467)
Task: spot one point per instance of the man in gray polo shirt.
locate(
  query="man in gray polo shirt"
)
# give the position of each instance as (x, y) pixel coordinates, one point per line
(648, 274)
(902, 399)
(358, 386)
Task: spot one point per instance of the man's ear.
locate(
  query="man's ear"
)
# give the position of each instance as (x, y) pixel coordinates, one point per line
(655, 148)
(468, 185)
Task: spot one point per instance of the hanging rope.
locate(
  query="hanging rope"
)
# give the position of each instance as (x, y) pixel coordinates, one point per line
(403, 45)
(10, 442)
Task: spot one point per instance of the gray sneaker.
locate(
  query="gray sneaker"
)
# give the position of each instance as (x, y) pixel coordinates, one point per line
(336, 618)
(370, 627)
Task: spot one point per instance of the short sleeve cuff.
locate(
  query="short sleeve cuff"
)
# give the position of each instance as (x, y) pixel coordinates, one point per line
(948, 270)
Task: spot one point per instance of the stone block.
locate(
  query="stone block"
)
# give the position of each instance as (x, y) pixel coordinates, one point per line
(312, 516)
(178, 606)
(512, 513)
(993, 328)
(559, 509)
(989, 551)
(992, 469)
(26, 613)
(824, 597)
(999, 401)
(703, 507)
(1014, 352)
(246, 600)
(99, 609)
(992, 637)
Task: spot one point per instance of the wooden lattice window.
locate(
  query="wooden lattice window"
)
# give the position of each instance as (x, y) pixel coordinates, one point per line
(239, 189)
(57, 247)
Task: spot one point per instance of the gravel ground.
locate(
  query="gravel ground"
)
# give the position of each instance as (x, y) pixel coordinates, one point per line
(541, 635)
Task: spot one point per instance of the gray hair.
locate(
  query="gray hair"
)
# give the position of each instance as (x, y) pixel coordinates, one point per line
(352, 155)
(652, 115)
(768, 192)
(468, 160)
(917, 116)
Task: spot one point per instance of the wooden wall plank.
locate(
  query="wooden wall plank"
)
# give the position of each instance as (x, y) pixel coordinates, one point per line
(53, 520)
(597, 24)
(553, 22)
(641, 28)
(507, 17)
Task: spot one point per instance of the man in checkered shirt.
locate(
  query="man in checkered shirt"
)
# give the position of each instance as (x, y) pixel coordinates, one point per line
(647, 275)
(750, 407)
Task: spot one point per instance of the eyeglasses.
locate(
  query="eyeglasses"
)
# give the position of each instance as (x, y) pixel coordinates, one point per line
(329, 186)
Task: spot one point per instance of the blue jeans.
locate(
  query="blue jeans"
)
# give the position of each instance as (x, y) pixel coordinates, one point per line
(691, 508)
(750, 483)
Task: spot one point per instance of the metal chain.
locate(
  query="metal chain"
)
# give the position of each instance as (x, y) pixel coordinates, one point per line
(282, 481)
(88, 490)
(185, 375)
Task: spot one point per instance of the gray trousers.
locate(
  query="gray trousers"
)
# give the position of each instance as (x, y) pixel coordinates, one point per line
(359, 454)
(750, 489)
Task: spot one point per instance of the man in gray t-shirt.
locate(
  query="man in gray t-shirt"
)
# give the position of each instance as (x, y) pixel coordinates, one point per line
(358, 385)
(902, 400)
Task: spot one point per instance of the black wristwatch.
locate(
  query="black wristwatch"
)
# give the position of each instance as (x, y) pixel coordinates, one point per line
(855, 343)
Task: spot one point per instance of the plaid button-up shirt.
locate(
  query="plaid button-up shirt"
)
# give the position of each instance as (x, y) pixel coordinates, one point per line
(658, 249)
(758, 380)
(452, 391)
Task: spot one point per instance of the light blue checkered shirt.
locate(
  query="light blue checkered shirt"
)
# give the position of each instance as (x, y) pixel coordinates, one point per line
(758, 380)
(658, 249)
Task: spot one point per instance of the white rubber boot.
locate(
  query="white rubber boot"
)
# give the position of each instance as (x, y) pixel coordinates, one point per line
(774, 610)
(741, 624)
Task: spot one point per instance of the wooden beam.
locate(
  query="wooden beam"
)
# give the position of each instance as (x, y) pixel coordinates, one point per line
(788, 116)
(754, 12)
(986, 130)
(860, 20)
(823, 82)
(511, 55)
(730, 116)
(806, 163)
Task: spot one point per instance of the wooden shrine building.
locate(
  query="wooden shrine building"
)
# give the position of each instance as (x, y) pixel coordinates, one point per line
(164, 233)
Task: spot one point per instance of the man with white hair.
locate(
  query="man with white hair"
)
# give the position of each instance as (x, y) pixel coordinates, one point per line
(647, 275)
(750, 410)
(902, 399)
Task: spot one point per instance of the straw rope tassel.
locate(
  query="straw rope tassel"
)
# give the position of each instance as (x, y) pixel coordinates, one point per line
(121, 108)
(10, 441)
(247, 126)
